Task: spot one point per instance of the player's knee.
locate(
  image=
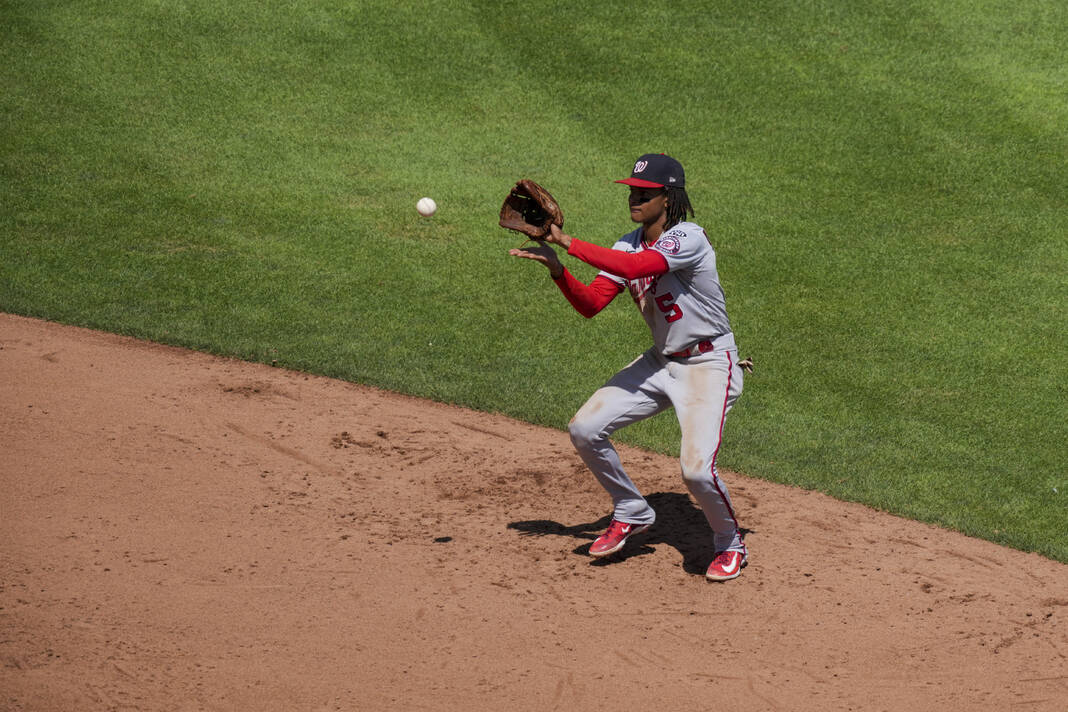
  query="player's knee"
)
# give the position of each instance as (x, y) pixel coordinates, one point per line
(583, 433)
(697, 472)
(697, 462)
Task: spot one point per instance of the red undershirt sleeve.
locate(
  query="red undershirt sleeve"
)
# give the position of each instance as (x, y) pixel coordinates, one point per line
(628, 265)
(588, 299)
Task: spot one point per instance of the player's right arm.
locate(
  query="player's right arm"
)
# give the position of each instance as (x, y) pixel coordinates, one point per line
(588, 299)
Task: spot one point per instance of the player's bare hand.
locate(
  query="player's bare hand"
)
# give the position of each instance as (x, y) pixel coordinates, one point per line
(541, 253)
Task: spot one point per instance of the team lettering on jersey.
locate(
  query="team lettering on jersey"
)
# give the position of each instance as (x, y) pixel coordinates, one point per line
(640, 287)
(669, 244)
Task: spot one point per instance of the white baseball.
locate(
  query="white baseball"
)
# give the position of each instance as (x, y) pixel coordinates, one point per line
(426, 207)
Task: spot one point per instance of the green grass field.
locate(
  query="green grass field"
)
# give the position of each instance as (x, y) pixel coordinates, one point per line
(884, 183)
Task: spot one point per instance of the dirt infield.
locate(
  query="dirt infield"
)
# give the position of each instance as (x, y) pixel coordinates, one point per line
(183, 532)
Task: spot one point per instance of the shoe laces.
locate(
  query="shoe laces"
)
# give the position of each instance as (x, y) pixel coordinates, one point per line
(723, 558)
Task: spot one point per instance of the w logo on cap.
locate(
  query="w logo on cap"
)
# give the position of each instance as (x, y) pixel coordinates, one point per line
(656, 170)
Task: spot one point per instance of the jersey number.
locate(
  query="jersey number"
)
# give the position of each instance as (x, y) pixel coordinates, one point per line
(664, 303)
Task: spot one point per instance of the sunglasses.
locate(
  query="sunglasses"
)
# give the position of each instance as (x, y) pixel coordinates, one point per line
(644, 195)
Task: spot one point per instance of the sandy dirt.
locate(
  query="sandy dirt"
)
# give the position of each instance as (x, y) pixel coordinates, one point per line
(183, 532)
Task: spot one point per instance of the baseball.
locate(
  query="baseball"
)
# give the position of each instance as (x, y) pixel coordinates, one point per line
(426, 207)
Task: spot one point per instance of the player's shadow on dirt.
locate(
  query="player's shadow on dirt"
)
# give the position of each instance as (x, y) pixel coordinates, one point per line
(679, 524)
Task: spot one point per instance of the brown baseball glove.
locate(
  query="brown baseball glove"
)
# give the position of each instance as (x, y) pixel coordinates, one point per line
(530, 209)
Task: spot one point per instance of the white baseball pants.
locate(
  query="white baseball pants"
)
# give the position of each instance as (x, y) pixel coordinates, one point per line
(702, 390)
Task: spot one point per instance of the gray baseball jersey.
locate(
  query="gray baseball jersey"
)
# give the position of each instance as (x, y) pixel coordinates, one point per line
(686, 306)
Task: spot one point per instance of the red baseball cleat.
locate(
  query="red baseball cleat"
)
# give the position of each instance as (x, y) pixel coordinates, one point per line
(727, 565)
(613, 540)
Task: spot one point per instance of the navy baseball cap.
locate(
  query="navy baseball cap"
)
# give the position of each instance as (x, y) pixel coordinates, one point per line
(656, 170)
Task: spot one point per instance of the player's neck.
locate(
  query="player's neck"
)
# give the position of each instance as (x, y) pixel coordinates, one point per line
(652, 232)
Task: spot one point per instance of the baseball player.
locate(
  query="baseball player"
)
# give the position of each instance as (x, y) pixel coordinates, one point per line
(669, 268)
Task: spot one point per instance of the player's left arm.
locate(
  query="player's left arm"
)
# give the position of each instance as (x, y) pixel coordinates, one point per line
(628, 265)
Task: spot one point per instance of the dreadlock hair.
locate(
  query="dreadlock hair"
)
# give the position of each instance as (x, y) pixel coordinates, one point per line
(678, 206)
